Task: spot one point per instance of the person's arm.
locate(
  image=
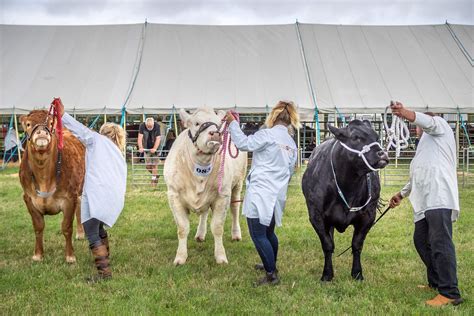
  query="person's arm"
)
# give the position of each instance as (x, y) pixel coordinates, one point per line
(254, 142)
(83, 133)
(155, 146)
(397, 198)
(429, 124)
(406, 190)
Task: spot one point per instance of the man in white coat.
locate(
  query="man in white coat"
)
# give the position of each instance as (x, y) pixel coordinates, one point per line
(433, 192)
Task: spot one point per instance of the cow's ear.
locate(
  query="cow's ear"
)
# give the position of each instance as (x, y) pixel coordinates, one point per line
(367, 123)
(221, 114)
(184, 117)
(341, 133)
(23, 119)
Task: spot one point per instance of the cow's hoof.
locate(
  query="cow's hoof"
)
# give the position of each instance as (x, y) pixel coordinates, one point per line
(236, 237)
(179, 261)
(221, 260)
(70, 259)
(326, 278)
(80, 236)
(200, 238)
(37, 258)
(358, 276)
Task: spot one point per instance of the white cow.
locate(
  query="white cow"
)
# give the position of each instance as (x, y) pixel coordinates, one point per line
(191, 174)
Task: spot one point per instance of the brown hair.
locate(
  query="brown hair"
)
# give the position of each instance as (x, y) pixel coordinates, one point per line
(115, 133)
(284, 111)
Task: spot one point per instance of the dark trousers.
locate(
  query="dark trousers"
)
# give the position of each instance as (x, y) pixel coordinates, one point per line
(95, 231)
(265, 241)
(434, 243)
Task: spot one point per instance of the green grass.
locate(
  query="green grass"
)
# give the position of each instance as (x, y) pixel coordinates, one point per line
(143, 245)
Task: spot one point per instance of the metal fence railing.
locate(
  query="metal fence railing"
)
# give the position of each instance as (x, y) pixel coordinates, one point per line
(147, 168)
(468, 167)
(396, 173)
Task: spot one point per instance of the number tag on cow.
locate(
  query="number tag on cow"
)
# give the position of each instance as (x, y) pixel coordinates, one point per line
(202, 171)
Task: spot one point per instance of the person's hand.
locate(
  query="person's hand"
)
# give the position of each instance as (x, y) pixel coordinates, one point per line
(396, 200)
(140, 150)
(153, 150)
(229, 117)
(401, 111)
(397, 108)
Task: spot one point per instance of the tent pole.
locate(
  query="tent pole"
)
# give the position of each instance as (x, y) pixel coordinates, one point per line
(105, 115)
(143, 114)
(298, 139)
(310, 85)
(457, 139)
(16, 132)
(175, 122)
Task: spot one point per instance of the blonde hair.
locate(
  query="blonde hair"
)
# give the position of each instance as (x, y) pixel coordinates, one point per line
(115, 133)
(284, 111)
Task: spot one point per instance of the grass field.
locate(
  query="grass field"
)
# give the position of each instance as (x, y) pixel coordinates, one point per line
(143, 245)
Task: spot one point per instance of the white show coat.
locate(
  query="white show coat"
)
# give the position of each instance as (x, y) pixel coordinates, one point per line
(433, 180)
(105, 181)
(273, 162)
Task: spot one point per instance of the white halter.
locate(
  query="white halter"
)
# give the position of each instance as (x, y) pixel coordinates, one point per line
(361, 153)
(398, 133)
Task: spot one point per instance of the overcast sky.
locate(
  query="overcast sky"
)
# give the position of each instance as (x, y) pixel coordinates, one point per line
(381, 12)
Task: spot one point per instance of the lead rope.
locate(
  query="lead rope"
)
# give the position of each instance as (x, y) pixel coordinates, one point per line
(226, 142)
(398, 133)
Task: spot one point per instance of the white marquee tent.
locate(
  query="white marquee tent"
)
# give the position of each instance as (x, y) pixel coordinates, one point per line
(154, 67)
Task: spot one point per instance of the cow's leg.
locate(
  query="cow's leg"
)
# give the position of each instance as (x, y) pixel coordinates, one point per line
(38, 226)
(327, 243)
(219, 209)
(66, 228)
(202, 227)
(235, 208)
(79, 228)
(181, 217)
(360, 232)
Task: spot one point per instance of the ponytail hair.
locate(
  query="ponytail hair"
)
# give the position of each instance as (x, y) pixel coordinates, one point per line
(115, 133)
(285, 112)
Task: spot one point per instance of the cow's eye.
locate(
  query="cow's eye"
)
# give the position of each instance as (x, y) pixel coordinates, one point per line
(28, 125)
(197, 124)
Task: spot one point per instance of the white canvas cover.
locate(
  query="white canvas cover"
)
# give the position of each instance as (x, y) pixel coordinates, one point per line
(242, 67)
(89, 67)
(357, 69)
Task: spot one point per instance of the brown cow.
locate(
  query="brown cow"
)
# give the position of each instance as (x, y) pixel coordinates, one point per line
(51, 185)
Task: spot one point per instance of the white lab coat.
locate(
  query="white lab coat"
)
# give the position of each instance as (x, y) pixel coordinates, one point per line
(433, 180)
(105, 181)
(273, 162)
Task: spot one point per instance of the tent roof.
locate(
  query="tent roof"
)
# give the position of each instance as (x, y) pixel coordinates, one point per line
(357, 69)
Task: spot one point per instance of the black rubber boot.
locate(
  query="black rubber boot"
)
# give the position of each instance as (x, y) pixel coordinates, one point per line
(270, 278)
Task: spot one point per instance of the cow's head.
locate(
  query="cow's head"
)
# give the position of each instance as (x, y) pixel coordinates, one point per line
(203, 128)
(38, 126)
(360, 136)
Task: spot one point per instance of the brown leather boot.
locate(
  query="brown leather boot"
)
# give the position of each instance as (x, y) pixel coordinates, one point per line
(105, 241)
(441, 300)
(101, 259)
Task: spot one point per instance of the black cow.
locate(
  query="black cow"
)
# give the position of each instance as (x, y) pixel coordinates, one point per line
(339, 177)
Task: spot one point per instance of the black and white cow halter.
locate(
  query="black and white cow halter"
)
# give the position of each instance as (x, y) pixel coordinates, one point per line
(361, 153)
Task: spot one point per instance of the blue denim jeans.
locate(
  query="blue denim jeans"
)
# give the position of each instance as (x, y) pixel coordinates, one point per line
(95, 231)
(266, 242)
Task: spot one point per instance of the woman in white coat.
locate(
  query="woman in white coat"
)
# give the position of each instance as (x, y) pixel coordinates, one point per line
(103, 194)
(273, 162)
